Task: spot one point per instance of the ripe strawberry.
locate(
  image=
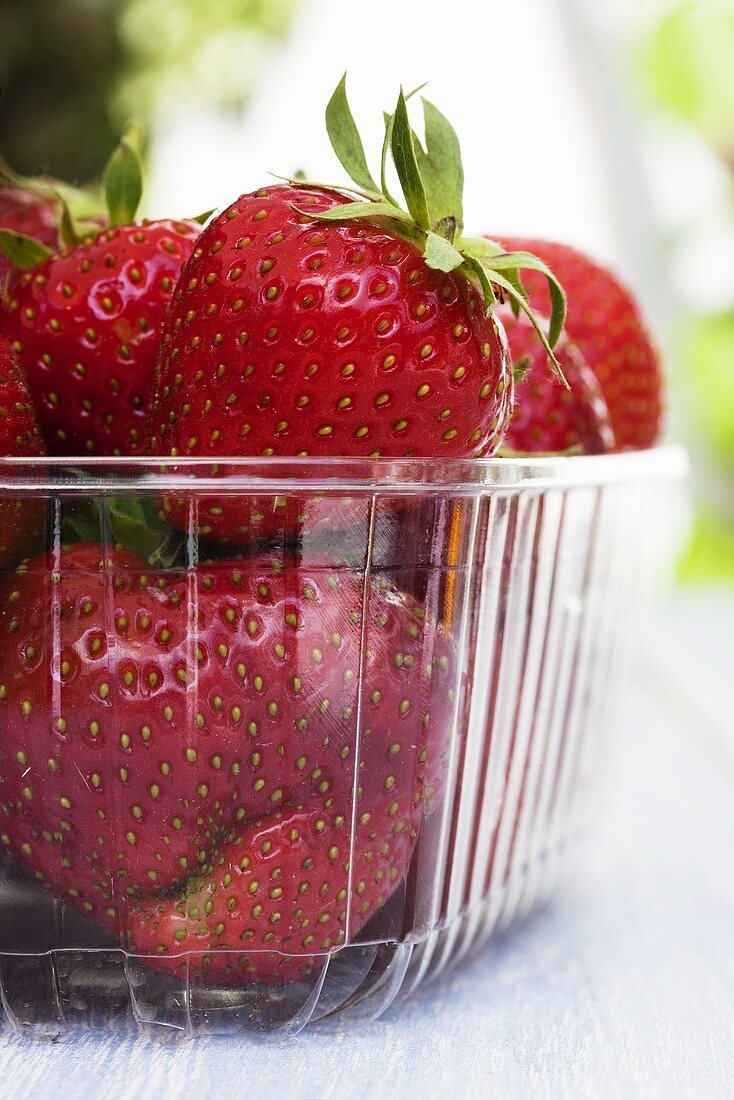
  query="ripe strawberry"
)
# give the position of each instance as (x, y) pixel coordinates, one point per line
(86, 326)
(148, 720)
(32, 214)
(288, 337)
(278, 899)
(548, 417)
(85, 323)
(21, 521)
(605, 322)
(308, 323)
(37, 211)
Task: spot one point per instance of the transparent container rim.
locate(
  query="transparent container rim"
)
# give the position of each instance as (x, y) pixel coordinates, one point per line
(364, 476)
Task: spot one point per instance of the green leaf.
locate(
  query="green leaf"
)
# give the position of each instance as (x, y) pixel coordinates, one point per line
(123, 183)
(441, 254)
(480, 248)
(519, 261)
(446, 228)
(349, 211)
(80, 521)
(440, 167)
(8, 174)
(488, 279)
(23, 252)
(345, 139)
(136, 524)
(512, 263)
(487, 253)
(406, 165)
(68, 231)
(485, 285)
(202, 219)
(134, 135)
(389, 121)
(505, 284)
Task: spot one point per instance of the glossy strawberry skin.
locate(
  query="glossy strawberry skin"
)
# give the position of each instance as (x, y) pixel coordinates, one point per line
(606, 324)
(21, 521)
(547, 417)
(86, 326)
(22, 211)
(291, 337)
(278, 901)
(138, 744)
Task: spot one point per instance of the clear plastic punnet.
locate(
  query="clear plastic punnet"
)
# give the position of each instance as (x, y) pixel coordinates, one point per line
(283, 739)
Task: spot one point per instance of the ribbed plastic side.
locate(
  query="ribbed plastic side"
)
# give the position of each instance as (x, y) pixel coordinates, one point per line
(526, 601)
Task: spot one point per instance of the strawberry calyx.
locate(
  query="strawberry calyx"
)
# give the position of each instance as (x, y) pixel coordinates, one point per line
(85, 201)
(122, 188)
(133, 524)
(431, 179)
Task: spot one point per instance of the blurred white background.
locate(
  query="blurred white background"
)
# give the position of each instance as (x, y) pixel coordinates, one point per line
(548, 140)
(503, 72)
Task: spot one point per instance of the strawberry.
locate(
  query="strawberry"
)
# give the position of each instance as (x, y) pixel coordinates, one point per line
(319, 339)
(36, 209)
(548, 417)
(140, 740)
(24, 211)
(85, 324)
(606, 324)
(335, 338)
(21, 521)
(308, 323)
(278, 899)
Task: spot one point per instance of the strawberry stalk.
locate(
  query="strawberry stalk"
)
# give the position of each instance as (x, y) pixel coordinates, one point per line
(432, 182)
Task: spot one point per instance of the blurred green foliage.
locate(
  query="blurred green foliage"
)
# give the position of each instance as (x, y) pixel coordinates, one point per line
(706, 355)
(181, 50)
(686, 66)
(72, 71)
(710, 552)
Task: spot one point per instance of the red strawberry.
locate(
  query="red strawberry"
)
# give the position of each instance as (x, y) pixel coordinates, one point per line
(21, 521)
(548, 417)
(605, 322)
(40, 209)
(86, 327)
(292, 337)
(32, 214)
(307, 323)
(288, 337)
(148, 720)
(279, 899)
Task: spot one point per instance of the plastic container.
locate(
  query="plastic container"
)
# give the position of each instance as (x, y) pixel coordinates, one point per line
(424, 658)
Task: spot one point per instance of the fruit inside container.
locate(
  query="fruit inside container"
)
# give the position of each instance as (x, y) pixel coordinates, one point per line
(310, 589)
